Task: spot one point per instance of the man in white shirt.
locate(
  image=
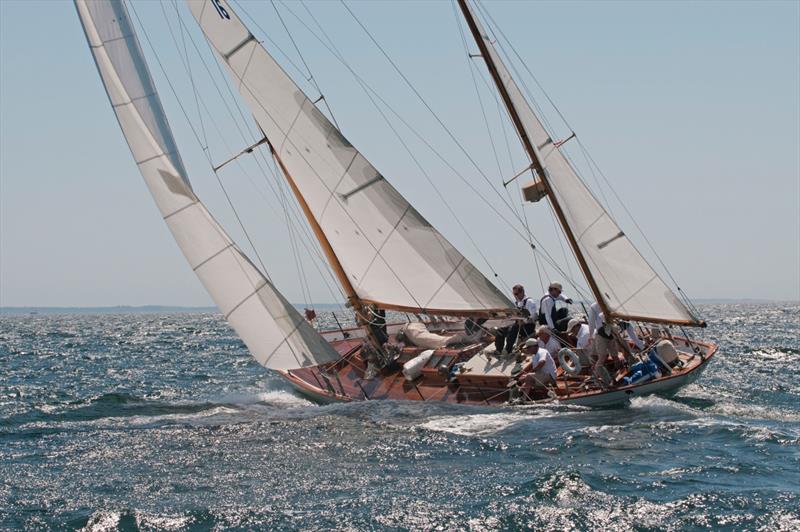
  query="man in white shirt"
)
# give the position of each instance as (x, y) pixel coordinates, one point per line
(548, 314)
(506, 337)
(543, 369)
(596, 321)
(579, 335)
(547, 340)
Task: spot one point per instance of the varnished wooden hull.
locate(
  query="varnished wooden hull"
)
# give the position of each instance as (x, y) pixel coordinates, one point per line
(344, 381)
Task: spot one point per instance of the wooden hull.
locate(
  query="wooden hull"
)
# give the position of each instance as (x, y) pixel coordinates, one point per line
(344, 381)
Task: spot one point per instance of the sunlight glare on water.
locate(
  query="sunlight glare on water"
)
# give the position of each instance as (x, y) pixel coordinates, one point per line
(164, 422)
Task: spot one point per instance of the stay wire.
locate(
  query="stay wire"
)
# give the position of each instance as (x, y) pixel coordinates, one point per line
(291, 224)
(311, 78)
(687, 300)
(540, 249)
(422, 170)
(197, 137)
(427, 105)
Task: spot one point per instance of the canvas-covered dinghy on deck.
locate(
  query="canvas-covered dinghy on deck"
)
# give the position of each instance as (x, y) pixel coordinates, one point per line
(385, 255)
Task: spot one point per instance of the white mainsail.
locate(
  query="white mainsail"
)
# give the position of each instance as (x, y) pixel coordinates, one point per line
(274, 332)
(391, 255)
(626, 283)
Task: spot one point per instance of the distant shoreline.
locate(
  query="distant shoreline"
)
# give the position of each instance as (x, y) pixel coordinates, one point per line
(128, 309)
(172, 309)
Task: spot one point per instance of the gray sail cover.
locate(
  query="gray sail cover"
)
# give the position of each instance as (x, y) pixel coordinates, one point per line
(391, 254)
(273, 330)
(628, 285)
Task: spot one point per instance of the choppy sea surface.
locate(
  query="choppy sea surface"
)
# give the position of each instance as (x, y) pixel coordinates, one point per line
(164, 422)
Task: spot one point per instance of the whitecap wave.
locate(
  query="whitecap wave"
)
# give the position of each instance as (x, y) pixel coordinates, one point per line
(473, 425)
(103, 521)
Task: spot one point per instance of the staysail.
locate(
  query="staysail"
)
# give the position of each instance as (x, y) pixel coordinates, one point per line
(624, 283)
(391, 255)
(273, 330)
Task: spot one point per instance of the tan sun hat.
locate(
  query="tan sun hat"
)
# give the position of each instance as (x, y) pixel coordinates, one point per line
(531, 342)
(574, 322)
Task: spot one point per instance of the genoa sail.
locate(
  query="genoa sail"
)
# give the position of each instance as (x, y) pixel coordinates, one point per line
(391, 255)
(625, 283)
(273, 330)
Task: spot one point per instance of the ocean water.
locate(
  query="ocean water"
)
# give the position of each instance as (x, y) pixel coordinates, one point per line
(163, 422)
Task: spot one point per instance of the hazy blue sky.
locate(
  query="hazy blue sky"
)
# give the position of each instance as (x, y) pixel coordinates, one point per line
(692, 109)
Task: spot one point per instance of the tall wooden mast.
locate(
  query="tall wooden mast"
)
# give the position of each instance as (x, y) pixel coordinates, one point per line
(536, 163)
(352, 297)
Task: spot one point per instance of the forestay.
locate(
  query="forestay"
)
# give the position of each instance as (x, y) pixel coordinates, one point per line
(273, 330)
(628, 285)
(392, 256)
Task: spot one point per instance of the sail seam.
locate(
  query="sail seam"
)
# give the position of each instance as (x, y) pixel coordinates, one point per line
(385, 240)
(444, 283)
(115, 39)
(243, 301)
(217, 254)
(653, 278)
(173, 213)
(339, 182)
(148, 95)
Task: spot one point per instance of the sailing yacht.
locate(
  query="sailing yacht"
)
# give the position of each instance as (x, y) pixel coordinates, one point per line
(385, 255)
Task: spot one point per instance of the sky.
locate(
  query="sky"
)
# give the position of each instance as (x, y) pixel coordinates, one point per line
(691, 110)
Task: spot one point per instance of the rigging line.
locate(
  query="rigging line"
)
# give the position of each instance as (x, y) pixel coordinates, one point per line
(370, 92)
(309, 242)
(311, 76)
(297, 221)
(431, 182)
(588, 154)
(495, 26)
(332, 49)
(208, 157)
(216, 85)
(191, 77)
(538, 272)
(399, 116)
(442, 198)
(589, 165)
(559, 232)
(483, 108)
(478, 95)
(266, 34)
(427, 106)
(256, 160)
(638, 228)
(301, 274)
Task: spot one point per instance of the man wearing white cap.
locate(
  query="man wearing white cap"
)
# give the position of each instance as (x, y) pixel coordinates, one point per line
(547, 340)
(548, 314)
(579, 334)
(543, 370)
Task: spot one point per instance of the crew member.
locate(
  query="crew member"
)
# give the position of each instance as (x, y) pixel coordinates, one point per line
(543, 370)
(506, 337)
(549, 315)
(547, 340)
(605, 345)
(578, 333)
